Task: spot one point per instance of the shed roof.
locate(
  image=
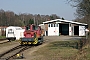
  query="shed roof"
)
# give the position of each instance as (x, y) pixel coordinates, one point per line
(60, 21)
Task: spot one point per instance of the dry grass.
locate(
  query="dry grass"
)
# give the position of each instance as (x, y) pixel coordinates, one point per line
(9, 43)
(85, 53)
(55, 51)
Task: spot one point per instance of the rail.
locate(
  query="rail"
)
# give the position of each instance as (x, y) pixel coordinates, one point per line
(11, 54)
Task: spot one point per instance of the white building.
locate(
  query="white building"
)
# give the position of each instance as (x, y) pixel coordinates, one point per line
(64, 27)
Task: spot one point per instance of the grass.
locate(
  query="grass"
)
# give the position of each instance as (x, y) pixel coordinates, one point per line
(88, 53)
(87, 50)
(59, 50)
(1, 37)
(85, 53)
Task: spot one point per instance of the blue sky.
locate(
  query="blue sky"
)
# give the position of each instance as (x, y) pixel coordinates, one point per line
(43, 7)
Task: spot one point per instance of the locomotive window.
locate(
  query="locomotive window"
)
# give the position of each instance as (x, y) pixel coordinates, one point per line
(27, 28)
(35, 28)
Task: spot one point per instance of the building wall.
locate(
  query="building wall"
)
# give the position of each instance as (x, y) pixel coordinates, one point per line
(2, 31)
(46, 27)
(81, 30)
(53, 29)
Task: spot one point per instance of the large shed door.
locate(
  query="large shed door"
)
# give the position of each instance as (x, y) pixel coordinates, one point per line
(81, 30)
(53, 29)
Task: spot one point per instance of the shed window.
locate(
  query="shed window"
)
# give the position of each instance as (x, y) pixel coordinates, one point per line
(48, 25)
(51, 25)
(54, 25)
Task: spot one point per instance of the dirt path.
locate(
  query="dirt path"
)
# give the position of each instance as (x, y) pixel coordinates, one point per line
(7, 46)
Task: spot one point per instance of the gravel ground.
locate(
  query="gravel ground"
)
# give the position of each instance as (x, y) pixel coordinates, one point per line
(3, 41)
(7, 46)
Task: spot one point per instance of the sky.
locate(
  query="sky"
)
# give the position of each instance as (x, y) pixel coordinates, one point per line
(42, 7)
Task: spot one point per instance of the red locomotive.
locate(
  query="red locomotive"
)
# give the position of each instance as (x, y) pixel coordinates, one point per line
(33, 35)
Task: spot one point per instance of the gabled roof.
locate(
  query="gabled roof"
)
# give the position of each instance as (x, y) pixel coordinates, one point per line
(60, 21)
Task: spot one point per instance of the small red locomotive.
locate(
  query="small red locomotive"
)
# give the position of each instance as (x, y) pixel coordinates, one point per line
(32, 35)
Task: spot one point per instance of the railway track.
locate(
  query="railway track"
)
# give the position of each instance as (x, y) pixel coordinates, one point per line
(12, 53)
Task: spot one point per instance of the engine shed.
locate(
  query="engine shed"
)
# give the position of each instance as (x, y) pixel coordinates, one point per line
(59, 27)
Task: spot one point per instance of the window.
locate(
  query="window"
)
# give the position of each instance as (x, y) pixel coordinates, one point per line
(35, 27)
(27, 27)
(51, 25)
(48, 25)
(18, 28)
(10, 31)
(54, 25)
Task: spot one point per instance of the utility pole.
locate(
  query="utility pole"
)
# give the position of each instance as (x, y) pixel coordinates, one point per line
(37, 22)
(23, 19)
(34, 20)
